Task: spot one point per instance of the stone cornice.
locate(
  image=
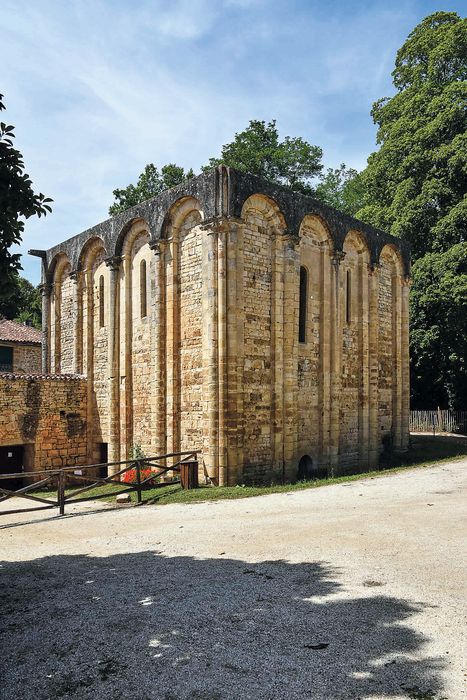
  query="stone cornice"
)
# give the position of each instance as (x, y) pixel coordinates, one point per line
(221, 194)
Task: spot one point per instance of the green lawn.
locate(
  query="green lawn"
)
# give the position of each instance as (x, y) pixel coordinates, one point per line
(424, 451)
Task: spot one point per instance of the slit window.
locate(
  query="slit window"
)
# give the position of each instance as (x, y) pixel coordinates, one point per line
(101, 302)
(302, 311)
(348, 298)
(143, 296)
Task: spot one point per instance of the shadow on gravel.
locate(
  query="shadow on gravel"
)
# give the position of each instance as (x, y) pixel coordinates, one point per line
(148, 626)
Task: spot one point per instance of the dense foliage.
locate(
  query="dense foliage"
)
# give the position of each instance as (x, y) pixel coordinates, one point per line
(292, 162)
(18, 201)
(341, 188)
(415, 186)
(150, 183)
(23, 303)
(439, 337)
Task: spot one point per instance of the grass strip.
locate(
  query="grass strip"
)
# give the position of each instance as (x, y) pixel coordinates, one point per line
(425, 451)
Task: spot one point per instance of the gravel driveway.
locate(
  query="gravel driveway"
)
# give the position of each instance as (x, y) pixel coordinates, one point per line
(348, 591)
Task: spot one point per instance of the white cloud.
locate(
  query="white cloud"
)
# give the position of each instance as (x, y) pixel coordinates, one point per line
(96, 89)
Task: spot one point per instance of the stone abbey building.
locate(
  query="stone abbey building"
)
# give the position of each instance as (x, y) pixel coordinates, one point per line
(232, 316)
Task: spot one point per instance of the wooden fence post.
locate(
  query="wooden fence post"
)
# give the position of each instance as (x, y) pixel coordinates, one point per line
(138, 480)
(61, 491)
(189, 474)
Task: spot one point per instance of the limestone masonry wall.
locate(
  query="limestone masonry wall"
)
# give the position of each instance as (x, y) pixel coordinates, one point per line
(26, 359)
(190, 334)
(257, 372)
(259, 326)
(48, 414)
(140, 345)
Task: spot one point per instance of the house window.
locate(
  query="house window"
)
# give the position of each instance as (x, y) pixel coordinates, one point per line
(6, 359)
(302, 311)
(101, 302)
(143, 289)
(348, 298)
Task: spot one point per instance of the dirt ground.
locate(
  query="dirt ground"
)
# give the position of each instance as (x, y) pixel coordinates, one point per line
(354, 590)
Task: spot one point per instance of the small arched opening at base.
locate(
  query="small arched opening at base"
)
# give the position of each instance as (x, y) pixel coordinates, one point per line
(308, 470)
(305, 468)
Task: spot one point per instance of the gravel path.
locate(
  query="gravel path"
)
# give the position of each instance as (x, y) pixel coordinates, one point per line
(348, 591)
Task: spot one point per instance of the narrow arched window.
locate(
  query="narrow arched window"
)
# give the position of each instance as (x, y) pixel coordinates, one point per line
(348, 297)
(302, 311)
(143, 296)
(101, 302)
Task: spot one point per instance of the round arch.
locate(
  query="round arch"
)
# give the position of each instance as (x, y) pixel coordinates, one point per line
(317, 228)
(131, 229)
(390, 254)
(178, 212)
(57, 267)
(266, 206)
(129, 236)
(355, 241)
(90, 251)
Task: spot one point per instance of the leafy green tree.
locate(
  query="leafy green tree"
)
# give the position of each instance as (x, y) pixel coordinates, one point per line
(415, 184)
(341, 188)
(18, 201)
(292, 162)
(24, 303)
(150, 183)
(439, 339)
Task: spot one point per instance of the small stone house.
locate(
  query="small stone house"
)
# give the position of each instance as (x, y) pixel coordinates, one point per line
(42, 418)
(20, 348)
(229, 315)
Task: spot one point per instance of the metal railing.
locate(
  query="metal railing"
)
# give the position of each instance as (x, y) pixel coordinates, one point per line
(146, 471)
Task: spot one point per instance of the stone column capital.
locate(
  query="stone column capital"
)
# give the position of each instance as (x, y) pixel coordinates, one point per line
(113, 262)
(406, 281)
(337, 257)
(45, 288)
(220, 224)
(76, 275)
(374, 268)
(292, 240)
(158, 246)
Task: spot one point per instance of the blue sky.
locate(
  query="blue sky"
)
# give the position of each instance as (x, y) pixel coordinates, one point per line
(96, 89)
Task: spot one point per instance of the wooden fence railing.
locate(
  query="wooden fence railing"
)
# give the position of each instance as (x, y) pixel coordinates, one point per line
(146, 471)
(440, 421)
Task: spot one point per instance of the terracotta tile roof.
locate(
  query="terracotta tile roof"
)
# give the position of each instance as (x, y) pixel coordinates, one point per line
(13, 332)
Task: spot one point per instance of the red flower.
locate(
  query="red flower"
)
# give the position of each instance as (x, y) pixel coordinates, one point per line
(129, 477)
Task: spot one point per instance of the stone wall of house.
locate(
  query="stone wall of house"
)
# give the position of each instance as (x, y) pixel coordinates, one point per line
(26, 359)
(47, 413)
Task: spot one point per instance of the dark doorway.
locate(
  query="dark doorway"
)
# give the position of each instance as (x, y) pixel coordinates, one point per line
(11, 462)
(305, 468)
(308, 471)
(103, 458)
